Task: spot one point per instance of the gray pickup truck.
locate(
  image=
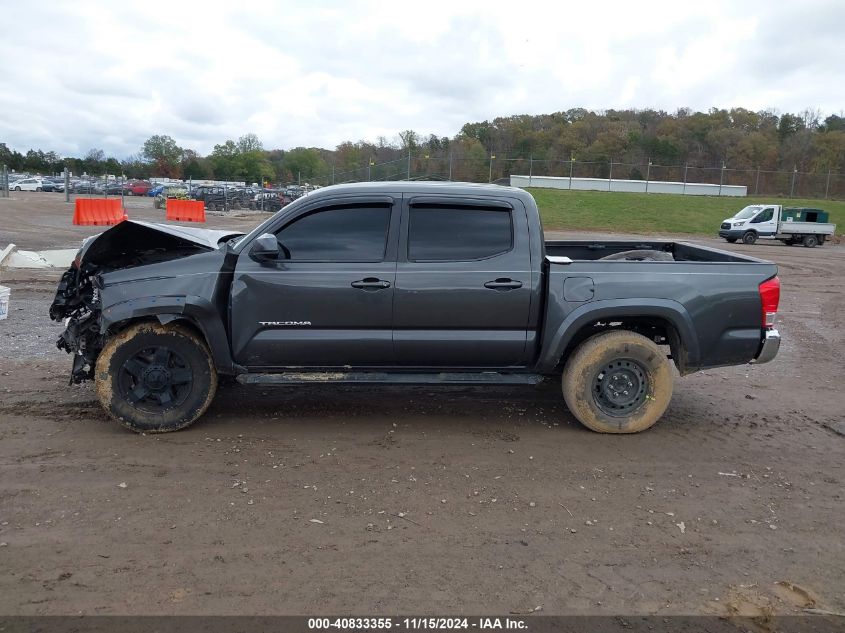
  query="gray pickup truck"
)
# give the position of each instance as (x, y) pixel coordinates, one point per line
(408, 283)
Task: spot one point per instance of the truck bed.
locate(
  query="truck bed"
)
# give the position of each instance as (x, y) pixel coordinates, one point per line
(806, 228)
(592, 250)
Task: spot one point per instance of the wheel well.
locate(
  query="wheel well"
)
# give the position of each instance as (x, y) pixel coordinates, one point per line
(657, 329)
(162, 319)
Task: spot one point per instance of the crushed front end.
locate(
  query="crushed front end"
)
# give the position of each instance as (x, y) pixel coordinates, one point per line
(77, 303)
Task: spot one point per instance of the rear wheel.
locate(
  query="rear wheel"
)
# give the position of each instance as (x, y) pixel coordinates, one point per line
(810, 241)
(155, 379)
(617, 382)
(749, 238)
(38, 188)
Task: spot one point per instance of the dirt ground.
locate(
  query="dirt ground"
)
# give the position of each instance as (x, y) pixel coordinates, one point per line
(393, 500)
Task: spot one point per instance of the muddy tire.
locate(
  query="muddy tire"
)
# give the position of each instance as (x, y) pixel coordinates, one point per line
(155, 379)
(617, 382)
(749, 238)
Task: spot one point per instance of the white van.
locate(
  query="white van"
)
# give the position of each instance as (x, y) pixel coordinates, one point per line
(790, 225)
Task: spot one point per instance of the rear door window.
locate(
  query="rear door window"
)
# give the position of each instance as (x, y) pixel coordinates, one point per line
(458, 233)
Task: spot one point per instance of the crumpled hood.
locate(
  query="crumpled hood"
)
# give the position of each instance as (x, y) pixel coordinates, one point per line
(136, 236)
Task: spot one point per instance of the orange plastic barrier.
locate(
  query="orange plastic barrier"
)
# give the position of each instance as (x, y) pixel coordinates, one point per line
(186, 210)
(98, 211)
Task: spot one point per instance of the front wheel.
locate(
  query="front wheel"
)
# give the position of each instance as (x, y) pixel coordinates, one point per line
(155, 379)
(749, 238)
(617, 382)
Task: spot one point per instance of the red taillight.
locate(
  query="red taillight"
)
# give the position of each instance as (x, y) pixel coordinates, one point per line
(770, 297)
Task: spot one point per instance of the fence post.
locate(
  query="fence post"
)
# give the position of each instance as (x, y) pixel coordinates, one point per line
(684, 190)
(792, 187)
(530, 168)
(827, 185)
(610, 176)
(647, 175)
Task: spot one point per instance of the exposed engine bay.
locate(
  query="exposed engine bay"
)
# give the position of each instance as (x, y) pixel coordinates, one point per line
(130, 244)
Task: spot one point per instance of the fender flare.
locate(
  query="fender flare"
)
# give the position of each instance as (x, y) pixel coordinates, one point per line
(196, 310)
(672, 311)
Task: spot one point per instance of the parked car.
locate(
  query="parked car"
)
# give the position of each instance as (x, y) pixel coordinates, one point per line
(137, 187)
(30, 184)
(215, 198)
(790, 225)
(87, 186)
(113, 189)
(405, 283)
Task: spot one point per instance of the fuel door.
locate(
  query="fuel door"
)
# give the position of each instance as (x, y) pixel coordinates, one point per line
(578, 289)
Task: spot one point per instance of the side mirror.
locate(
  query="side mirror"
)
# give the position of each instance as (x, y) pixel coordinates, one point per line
(265, 247)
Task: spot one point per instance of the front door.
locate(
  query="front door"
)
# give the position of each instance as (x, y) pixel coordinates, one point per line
(327, 301)
(463, 284)
(765, 223)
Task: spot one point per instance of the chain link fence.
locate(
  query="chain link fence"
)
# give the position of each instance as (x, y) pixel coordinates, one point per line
(494, 168)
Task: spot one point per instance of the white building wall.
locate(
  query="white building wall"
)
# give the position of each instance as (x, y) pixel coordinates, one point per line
(630, 186)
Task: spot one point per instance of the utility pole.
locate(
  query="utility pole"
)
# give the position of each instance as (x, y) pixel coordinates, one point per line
(757, 181)
(369, 165)
(685, 179)
(571, 162)
(721, 177)
(67, 186)
(4, 183)
(827, 185)
(409, 163)
(490, 175)
(332, 173)
(794, 173)
(610, 176)
(450, 166)
(530, 168)
(647, 175)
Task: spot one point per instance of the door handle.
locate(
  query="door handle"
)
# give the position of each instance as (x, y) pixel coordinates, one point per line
(371, 283)
(503, 284)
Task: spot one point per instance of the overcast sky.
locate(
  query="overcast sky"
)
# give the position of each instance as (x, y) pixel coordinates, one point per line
(82, 74)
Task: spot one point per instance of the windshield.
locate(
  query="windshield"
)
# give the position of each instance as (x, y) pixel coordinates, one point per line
(748, 212)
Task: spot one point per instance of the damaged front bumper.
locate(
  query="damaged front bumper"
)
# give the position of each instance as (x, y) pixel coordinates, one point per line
(77, 305)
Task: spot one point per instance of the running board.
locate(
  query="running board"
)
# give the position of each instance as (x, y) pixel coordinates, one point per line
(392, 378)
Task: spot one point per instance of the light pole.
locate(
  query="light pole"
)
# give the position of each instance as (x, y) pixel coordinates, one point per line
(647, 175)
(531, 168)
(610, 176)
(794, 174)
(721, 177)
(571, 162)
(685, 178)
(490, 175)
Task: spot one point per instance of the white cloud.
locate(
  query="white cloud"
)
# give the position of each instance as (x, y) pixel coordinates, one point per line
(105, 74)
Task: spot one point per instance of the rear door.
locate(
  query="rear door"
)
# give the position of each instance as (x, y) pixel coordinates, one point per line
(328, 302)
(463, 283)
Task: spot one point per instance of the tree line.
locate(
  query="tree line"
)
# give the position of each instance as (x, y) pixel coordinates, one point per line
(735, 138)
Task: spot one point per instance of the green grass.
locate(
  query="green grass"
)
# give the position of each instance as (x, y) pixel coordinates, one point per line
(655, 213)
